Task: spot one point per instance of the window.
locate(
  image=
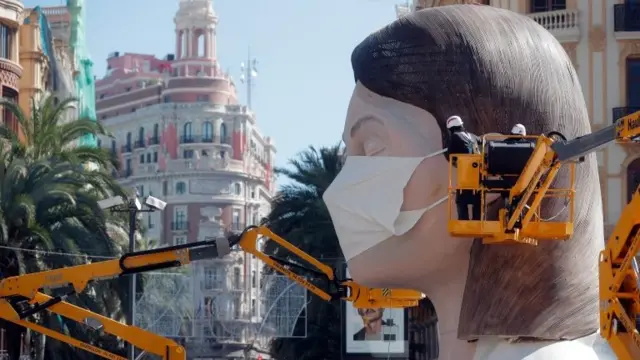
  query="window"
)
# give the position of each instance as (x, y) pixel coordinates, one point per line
(254, 280)
(253, 307)
(113, 146)
(150, 222)
(187, 154)
(7, 37)
(99, 143)
(128, 139)
(141, 135)
(156, 131)
(128, 166)
(207, 131)
(8, 117)
(253, 193)
(633, 82)
(186, 130)
(202, 98)
(140, 190)
(181, 188)
(141, 158)
(167, 98)
(547, 5)
(155, 156)
(236, 220)
(236, 278)
(212, 278)
(165, 188)
(223, 131)
(180, 216)
(255, 219)
(179, 240)
(237, 189)
(237, 307)
(149, 158)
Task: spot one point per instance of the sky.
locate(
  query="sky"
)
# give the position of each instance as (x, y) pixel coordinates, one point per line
(303, 49)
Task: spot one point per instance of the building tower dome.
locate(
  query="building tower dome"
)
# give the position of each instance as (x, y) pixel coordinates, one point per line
(196, 23)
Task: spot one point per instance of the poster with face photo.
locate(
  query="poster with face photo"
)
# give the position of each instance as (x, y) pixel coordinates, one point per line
(374, 331)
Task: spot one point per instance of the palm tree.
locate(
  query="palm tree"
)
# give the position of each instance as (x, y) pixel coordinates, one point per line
(49, 202)
(299, 215)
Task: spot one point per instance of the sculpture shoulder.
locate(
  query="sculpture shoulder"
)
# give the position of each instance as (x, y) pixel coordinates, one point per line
(591, 347)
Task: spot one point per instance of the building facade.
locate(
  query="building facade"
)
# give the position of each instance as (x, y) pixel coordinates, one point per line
(602, 37)
(182, 136)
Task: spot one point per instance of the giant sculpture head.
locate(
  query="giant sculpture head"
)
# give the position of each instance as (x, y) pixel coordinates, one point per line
(494, 68)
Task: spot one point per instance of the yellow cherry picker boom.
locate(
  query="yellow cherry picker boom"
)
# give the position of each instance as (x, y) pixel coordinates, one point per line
(522, 170)
(23, 296)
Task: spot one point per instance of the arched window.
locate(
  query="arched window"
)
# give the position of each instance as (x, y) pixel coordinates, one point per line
(223, 132)
(201, 45)
(187, 136)
(207, 131)
(128, 142)
(181, 188)
(156, 132)
(633, 178)
(237, 189)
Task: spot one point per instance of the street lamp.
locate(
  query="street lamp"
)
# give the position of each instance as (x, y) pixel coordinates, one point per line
(133, 207)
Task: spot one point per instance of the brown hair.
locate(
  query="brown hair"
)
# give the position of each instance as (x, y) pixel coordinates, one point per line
(495, 68)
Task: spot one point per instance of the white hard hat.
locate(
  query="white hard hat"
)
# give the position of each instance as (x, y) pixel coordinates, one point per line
(519, 129)
(454, 121)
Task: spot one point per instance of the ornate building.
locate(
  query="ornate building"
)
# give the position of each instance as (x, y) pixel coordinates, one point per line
(603, 40)
(45, 66)
(182, 136)
(10, 69)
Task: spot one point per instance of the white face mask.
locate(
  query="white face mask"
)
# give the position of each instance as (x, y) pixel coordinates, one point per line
(365, 199)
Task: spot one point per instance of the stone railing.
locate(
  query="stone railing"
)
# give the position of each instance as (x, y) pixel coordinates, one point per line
(159, 109)
(204, 164)
(563, 24)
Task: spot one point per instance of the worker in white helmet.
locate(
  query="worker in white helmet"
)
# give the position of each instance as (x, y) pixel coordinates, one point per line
(518, 133)
(463, 142)
(519, 129)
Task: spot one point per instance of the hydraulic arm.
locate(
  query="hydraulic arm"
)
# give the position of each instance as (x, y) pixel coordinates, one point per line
(23, 296)
(543, 158)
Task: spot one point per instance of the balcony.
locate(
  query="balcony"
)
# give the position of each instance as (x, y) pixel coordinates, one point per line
(154, 140)
(563, 24)
(207, 139)
(125, 148)
(626, 21)
(139, 144)
(147, 169)
(180, 225)
(624, 111)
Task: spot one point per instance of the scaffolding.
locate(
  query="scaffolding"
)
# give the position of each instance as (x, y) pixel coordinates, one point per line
(174, 305)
